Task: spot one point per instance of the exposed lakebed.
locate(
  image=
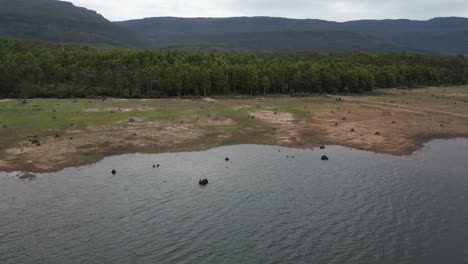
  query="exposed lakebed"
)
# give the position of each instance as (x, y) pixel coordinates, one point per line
(259, 207)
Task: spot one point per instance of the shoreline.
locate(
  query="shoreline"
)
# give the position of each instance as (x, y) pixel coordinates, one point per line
(28, 168)
(47, 135)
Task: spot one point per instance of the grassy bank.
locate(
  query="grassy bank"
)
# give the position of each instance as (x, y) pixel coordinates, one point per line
(75, 132)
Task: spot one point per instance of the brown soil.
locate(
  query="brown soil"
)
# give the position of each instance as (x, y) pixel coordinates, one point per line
(361, 122)
(387, 129)
(284, 123)
(57, 153)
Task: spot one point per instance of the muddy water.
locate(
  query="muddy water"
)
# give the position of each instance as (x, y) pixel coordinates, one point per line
(260, 207)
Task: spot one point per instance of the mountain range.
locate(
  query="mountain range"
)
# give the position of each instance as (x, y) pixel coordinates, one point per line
(58, 21)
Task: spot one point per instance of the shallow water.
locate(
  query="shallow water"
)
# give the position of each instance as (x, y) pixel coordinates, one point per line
(260, 207)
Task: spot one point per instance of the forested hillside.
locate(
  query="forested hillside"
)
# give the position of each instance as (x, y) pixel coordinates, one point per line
(439, 35)
(59, 21)
(63, 22)
(285, 41)
(31, 68)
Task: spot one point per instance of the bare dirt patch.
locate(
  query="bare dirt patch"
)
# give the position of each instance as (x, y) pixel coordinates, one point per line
(119, 109)
(98, 140)
(284, 123)
(217, 121)
(274, 117)
(385, 128)
(209, 100)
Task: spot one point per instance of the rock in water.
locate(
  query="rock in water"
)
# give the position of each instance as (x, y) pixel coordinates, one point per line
(203, 182)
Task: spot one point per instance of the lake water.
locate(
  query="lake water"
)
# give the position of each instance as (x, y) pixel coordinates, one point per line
(260, 207)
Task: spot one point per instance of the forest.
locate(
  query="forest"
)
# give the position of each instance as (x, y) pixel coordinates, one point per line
(39, 69)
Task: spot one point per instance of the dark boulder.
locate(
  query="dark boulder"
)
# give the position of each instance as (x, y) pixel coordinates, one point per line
(322, 147)
(203, 182)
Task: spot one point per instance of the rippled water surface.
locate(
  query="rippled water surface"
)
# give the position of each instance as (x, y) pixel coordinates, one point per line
(260, 207)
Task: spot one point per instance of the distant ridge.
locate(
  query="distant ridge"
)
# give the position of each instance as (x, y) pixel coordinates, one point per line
(58, 21)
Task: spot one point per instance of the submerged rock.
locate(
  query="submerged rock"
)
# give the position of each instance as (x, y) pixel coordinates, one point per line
(27, 176)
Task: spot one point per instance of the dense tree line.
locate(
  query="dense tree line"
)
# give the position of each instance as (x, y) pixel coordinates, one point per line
(36, 69)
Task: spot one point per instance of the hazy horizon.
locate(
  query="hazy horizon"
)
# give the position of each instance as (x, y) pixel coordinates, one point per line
(340, 11)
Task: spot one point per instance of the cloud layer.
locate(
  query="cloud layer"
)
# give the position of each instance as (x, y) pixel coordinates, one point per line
(338, 10)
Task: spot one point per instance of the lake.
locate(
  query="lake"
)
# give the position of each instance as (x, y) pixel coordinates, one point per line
(259, 207)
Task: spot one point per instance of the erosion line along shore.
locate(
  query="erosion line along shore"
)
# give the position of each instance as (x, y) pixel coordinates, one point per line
(51, 134)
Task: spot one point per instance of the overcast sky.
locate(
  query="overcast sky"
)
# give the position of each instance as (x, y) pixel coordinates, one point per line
(338, 10)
